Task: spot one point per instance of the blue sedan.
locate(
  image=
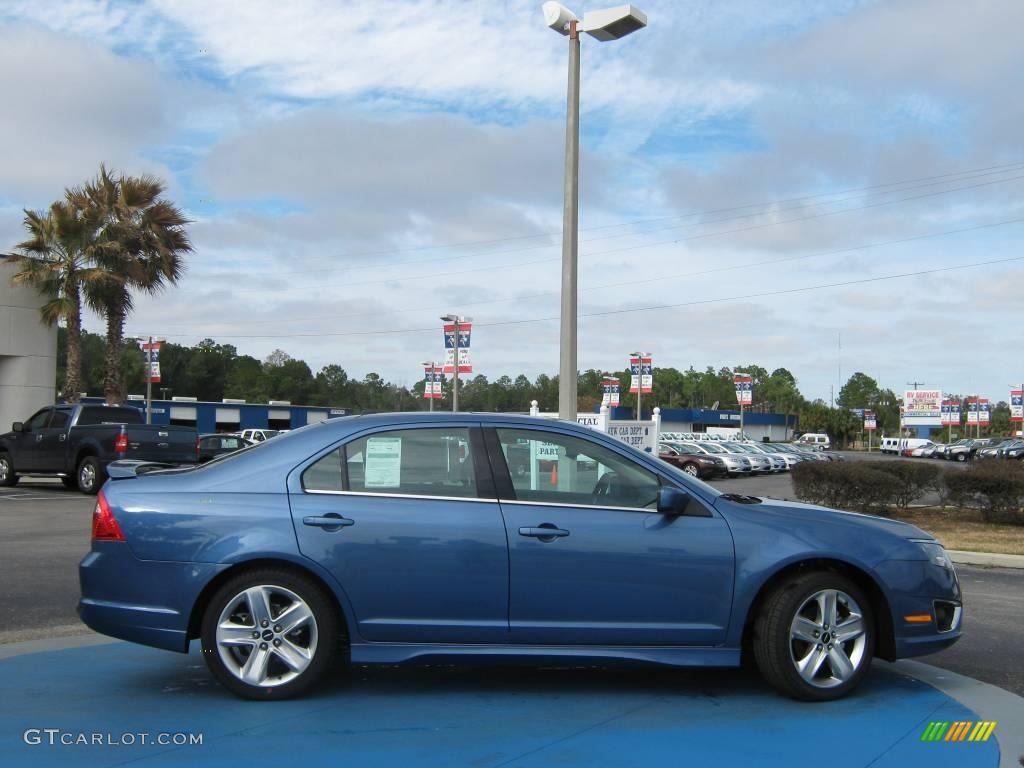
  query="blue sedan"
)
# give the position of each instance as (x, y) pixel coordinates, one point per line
(441, 537)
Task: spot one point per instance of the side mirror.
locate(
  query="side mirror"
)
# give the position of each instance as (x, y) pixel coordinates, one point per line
(18, 426)
(672, 501)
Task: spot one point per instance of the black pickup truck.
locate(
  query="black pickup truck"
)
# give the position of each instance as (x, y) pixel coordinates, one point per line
(77, 442)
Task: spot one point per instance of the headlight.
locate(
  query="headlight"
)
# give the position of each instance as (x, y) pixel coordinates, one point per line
(935, 552)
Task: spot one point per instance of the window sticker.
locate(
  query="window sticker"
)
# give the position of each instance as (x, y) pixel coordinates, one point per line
(383, 462)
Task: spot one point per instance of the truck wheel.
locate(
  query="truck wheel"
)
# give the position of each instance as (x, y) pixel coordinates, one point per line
(90, 475)
(7, 476)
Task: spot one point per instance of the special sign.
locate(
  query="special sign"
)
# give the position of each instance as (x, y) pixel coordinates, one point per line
(922, 408)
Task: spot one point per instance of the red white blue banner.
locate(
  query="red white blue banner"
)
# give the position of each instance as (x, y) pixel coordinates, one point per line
(433, 377)
(1016, 405)
(951, 413)
(152, 355)
(610, 392)
(744, 388)
(978, 411)
(641, 375)
(870, 423)
(465, 365)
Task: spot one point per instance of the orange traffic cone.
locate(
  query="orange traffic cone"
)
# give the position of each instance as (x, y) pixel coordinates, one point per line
(554, 475)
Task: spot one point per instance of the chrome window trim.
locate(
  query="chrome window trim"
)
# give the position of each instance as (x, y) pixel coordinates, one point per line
(399, 495)
(520, 502)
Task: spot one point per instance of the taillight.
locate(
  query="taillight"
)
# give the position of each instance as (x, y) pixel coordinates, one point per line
(104, 524)
(121, 444)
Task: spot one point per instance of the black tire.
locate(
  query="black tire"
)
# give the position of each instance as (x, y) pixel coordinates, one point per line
(8, 478)
(961, 457)
(331, 642)
(691, 469)
(775, 648)
(90, 475)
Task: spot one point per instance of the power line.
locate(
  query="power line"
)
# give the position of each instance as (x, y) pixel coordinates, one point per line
(441, 259)
(658, 279)
(699, 236)
(611, 312)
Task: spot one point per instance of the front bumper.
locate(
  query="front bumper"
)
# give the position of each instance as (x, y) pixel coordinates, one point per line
(144, 601)
(926, 606)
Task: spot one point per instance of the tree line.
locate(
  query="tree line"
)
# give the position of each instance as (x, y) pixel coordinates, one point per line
(212, 371)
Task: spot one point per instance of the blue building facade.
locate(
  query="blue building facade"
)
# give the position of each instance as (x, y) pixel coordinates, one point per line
(774, 426)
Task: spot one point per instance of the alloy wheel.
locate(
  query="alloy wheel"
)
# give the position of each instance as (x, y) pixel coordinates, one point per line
(266, 635)
(828, 639)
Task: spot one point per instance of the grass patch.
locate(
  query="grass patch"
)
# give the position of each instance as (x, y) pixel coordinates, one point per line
(964, 529)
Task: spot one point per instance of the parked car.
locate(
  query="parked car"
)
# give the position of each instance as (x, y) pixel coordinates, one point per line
(816, 440)
(990, 449)
(77, 442)
(736, 465)
(691, 460)
(925, 451)
(961, 450)
(368, 539)
(217, 444)
(760, 464)
(259, 435)
(782, 460)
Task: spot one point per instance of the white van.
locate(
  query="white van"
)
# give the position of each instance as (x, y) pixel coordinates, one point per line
(897, 445)
(815, 440)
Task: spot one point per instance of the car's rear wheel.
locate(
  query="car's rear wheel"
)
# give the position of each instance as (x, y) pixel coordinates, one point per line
(7, 475)
(691, 470)
(961, 457)
(90, 475)
(271, 634)
(814, 636)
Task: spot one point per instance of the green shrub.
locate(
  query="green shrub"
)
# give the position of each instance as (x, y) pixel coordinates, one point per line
(996, 486)
(846, 485)
(915, 479)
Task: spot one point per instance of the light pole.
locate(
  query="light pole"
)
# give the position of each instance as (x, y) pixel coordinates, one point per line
(456, 321)
(432, 365)
(147, 356)
(604, 25)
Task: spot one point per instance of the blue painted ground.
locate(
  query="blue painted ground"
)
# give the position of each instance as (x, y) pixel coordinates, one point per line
(452, 717)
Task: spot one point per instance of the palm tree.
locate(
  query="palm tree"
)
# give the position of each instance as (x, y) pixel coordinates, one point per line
(56, 260)
(140, 246)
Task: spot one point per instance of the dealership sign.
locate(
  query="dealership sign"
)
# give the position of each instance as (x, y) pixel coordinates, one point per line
(870, 423)
(641, 375)
(951, 413)
(922, 408)
(433, 377)
(152, 353)
(977, 411)
(744, 389)
(639, 434)
(1016, 405)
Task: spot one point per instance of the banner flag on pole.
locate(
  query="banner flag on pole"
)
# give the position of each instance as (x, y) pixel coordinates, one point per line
(983, 412)
(951, 413)
(870, 423)
(972, 410)
(152, 356)
(432, 381)
(465, 366)
(1016, 405)
(641, 375)
(610, 392)
(744, 388)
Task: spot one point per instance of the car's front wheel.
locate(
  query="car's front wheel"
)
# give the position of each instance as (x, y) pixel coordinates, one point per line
(814, 636)
(691, 470)
(271, 634)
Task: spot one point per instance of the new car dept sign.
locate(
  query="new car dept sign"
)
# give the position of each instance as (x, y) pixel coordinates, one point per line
(922, 408)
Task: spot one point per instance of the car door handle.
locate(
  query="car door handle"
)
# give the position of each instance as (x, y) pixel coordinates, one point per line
(544, 532)
(330, 521)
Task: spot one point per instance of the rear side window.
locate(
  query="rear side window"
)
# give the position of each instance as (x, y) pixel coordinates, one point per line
(101, 414)
(415, 462)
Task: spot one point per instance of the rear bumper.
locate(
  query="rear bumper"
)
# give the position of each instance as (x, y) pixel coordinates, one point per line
(144, 601)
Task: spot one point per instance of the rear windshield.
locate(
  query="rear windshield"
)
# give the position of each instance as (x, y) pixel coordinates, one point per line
(101, 414)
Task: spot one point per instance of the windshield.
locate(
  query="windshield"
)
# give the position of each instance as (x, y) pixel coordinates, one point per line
(711, 448)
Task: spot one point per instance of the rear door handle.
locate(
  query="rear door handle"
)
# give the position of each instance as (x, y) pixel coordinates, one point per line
(329, 522)
(544, 532)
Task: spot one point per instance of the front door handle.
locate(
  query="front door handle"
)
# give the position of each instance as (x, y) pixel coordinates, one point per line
(329, 522)
(545, 532)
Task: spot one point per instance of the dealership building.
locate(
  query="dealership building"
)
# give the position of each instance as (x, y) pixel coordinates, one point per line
(28, 351)
(776, 427)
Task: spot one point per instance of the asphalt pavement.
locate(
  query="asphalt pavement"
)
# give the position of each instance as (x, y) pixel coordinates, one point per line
(44, 533)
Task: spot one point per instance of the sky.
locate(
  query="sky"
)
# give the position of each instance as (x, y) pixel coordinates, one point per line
(828, 186)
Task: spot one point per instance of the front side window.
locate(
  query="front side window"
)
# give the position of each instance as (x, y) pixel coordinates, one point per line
(562, 469)
(38, 421)
(414, 462)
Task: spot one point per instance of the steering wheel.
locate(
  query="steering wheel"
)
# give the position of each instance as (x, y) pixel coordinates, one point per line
(606, 487)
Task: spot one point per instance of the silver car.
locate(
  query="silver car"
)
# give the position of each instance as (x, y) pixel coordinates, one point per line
(735, 464)
(760, 462)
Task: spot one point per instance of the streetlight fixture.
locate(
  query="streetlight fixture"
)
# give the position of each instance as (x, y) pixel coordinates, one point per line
(456, 320)
(604, 25)
(149, 378)
(432, 365)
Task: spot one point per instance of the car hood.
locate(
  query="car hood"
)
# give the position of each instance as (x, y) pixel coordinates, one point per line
(799, 510)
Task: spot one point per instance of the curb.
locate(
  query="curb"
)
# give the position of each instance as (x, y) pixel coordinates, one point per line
(990, 702)
(990, 559)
